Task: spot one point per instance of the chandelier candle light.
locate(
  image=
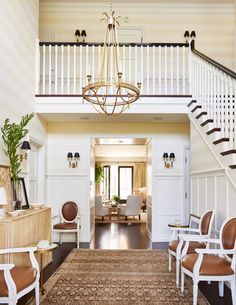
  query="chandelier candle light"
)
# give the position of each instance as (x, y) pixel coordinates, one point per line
(110, 95)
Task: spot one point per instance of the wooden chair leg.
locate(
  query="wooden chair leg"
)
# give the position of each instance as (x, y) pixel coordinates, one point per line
(102, 218)
(126, 218)
(139, 217)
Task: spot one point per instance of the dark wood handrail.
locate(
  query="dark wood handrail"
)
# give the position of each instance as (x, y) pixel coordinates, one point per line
(213, 62)
(96, 44)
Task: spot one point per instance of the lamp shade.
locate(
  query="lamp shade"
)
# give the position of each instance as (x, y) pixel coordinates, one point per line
(76, 155)
(186, 34)
(83, 33)
(77, 33)
(25, 145)
(172, 155)
(165, 155)
(69, 155)
(3, 196)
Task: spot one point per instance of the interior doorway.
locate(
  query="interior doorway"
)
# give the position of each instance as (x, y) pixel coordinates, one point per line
(123, 164)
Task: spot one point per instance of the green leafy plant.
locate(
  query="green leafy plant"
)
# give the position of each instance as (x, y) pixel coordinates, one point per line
(116, 198)
(98, 173)
(12, 134)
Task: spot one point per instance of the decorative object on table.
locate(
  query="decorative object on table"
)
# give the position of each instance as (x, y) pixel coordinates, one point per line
(42, 244)
(3, 201)
(83, 35)
(116, 199)
(36, 206)
(77, 35)
(73, 161)
(5, 181)
(168, 160)
(12, 135)
(16, 213)
(110, 94)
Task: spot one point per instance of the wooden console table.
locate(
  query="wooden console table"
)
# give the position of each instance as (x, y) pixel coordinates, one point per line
(25, 230)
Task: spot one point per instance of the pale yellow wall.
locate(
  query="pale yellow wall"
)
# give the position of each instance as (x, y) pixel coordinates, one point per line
(19, 30)
(159, 22)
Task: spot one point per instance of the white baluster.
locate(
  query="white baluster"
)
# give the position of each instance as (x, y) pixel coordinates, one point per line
(130, 63)
(99, 58)
(159, 70)
(135, 64)
(177, 69)
(222, 103)
(50, 69)
(231, 115)
(165, 69)
(74, 69)
(218, 98)
(214, 117)
(148, 86)
(93, 63)
(142, 73)
(153, 70)
(184, 70)
(234, 96)
(123, 63)
(80, 69)
(62, 69)
(68, 69)
(44, 67)
(56, 69)
(226, 109)
(171, 71)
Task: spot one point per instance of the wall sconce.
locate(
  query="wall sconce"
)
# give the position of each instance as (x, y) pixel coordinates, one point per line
(186, 35)
(73, 161)
(24, 147)
(193, 34)
(83, 35)
(77, 35)
(169, 160)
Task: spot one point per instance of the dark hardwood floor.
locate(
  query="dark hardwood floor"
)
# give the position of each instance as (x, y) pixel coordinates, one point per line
(123, 236)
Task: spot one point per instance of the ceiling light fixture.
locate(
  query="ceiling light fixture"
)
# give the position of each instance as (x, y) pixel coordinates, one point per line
(110, 94)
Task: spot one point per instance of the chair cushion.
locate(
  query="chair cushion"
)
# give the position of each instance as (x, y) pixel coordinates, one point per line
(65, 226)
(22, 276)
(192, 246)
(211, 264)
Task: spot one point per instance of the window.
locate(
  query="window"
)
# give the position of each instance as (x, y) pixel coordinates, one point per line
(125, 182)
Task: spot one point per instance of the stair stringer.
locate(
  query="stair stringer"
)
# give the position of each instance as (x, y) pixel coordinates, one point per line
(230, 174)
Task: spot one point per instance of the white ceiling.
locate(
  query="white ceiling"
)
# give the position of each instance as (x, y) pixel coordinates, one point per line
(140, 1)
(123, 118)
(121, 141)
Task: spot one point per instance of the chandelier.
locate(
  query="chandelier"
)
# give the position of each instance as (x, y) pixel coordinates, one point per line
(110, 94)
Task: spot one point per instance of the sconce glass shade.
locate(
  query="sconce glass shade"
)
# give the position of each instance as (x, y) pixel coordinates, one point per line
(165, 155)
(76, 155)
(25, 145)
(3, 196)
(172, 156)
(69, 155)
(83, 33)
(186, 34)
(77, 33)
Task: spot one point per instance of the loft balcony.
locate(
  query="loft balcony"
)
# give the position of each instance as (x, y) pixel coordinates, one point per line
(162, 68)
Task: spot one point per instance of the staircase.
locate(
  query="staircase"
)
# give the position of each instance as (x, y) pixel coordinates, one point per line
(212, 109)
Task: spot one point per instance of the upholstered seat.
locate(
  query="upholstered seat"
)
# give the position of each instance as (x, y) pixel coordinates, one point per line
(69, 216)
(17, 281)
(100, 209)
(176, 247)
(133, 206)
(22, 277)
(212, 264)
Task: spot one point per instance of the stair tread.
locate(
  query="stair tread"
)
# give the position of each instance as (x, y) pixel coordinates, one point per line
(213, 130)
(196, 107)
(233, 166)
(192, 102)
(228, 152)
(221, 140)
(206, 122)
(200, 114)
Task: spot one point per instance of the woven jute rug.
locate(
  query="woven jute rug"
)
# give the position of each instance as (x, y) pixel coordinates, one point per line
(116, 277)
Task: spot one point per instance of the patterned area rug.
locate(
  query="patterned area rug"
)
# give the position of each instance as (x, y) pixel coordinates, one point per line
(116, 277)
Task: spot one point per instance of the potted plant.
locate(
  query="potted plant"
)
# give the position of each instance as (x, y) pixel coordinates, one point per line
(98, 173)
(116, 198)
(12, 135)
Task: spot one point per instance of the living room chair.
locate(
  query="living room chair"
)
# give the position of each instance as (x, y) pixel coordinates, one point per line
(69, 220)
(212, 264)
(133, 206)
(16, 281)
(100, 209)
(176, 246)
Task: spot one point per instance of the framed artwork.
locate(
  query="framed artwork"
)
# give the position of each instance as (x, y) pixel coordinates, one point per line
(22, 195)
(5, 181)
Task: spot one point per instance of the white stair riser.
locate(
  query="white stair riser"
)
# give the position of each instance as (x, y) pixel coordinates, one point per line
(223, 146)
(214, 136)
(229, 159)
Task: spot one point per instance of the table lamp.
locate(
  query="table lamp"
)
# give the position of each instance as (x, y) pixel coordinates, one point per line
(3, 201)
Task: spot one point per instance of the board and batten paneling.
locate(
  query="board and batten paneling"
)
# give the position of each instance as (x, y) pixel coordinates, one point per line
(168, 207)
(70, 188)
(217, 192)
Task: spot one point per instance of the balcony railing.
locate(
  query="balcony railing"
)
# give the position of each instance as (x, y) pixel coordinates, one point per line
(163, 68)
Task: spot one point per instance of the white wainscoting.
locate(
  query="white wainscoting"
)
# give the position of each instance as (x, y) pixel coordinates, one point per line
(168, 206)
(65, 188)
(213, 190)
